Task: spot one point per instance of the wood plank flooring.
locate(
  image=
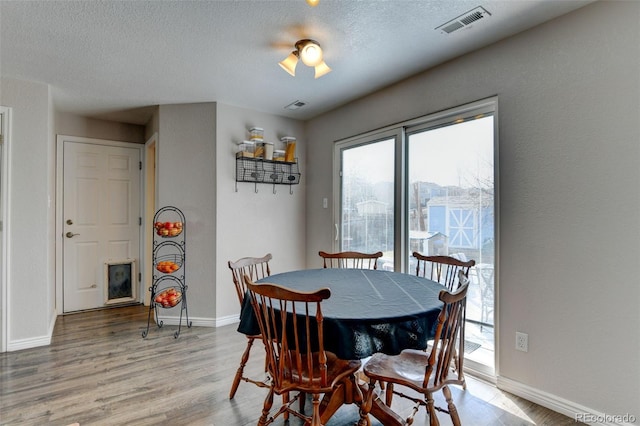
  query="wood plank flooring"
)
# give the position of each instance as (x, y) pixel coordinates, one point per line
(99, 370)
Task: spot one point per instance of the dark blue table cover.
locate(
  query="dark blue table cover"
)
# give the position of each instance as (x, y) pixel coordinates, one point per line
(368, 311)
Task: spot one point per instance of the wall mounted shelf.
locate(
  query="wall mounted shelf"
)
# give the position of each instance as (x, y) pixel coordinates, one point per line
(258, 170)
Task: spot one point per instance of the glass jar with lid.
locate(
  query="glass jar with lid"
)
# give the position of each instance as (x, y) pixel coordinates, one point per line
(290, 148)
(246, 149)
(256, 134)
(278, 155)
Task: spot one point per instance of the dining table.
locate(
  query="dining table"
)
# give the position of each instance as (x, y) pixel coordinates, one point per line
(369, 311)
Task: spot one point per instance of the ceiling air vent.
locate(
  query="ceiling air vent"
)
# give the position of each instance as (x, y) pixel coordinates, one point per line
(295, 105)
(464, 20)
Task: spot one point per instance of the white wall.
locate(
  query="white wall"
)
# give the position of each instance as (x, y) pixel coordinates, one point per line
(254, 224)
(569, 128)
(31, 290)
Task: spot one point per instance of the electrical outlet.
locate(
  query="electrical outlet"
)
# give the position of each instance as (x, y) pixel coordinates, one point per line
(522, 341)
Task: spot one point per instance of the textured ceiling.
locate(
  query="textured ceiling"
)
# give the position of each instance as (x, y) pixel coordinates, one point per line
(114, 59)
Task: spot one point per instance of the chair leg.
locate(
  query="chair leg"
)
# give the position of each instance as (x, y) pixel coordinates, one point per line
(315, 419)
(285, 401)
(240, 371)
(433, 419)
(268, 403)
(367, 403)
(453, 411)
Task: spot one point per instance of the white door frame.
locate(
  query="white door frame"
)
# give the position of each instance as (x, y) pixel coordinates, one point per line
(5, 112)
(150, 195)
(59, 205)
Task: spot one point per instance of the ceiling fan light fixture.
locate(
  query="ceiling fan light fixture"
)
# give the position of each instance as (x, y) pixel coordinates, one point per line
(310, 53)
(289, 63)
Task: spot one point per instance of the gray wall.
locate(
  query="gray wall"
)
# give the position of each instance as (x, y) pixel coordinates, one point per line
(31, 251)
(569, 114)
(76, 125)
(249, 223)
(187, 180)
(196, 173)
(569, 102)
(31, 293)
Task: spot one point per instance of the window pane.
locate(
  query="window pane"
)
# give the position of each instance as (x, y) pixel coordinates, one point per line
(367, 200)
(451, 205)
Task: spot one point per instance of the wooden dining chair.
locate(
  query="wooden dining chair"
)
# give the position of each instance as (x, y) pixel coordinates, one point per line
(255, 268)
(422, 372)
(443, 269)
(446, 270)
(291, 325)
(350, 260)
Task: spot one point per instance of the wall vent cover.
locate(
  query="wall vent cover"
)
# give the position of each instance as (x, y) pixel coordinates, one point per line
(464, 20)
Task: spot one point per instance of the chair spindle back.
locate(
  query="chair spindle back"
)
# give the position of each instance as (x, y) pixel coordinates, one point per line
(443, 269)
(449, 334)
(291, 324)
(350, 260)
(255, 268)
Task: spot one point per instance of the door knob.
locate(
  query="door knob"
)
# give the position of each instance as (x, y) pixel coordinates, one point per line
(70, 234)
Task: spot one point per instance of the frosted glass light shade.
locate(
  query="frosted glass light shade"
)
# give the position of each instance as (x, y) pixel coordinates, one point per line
(311, 54)
(313, 3)
(289, 63)
(322, 69)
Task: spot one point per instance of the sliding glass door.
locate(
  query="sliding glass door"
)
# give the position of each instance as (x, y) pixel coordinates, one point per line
(367, 199)
(427, 185)
(452, 212)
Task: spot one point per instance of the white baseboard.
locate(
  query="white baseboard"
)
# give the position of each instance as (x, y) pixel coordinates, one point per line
(228, 320)
(201, 322)
(568, 408)
(32, 342)
(197, 321)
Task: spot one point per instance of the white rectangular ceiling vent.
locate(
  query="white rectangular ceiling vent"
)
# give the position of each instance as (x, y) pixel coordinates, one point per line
(464, 20)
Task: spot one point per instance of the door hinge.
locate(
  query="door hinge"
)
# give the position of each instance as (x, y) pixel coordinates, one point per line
(139, 165)
(140, 221)
(139, 276)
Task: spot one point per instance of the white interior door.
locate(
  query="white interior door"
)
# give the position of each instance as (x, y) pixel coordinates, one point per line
(101, 213)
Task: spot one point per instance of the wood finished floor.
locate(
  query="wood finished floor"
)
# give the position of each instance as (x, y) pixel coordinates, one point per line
(99, 370)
